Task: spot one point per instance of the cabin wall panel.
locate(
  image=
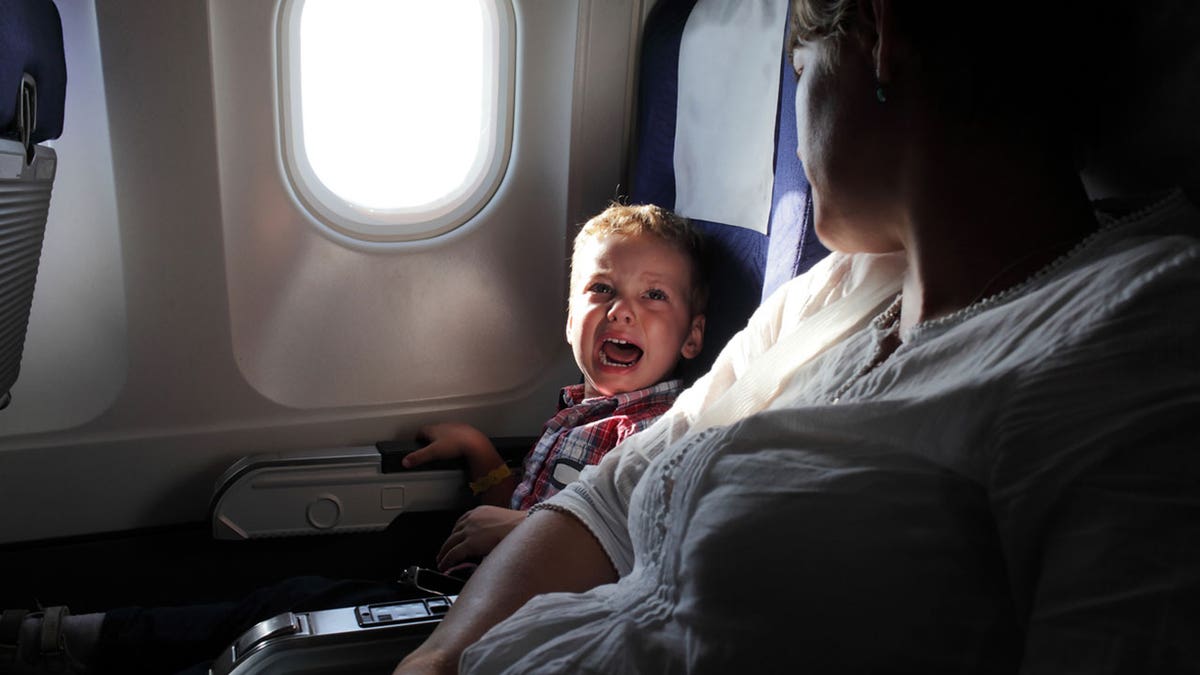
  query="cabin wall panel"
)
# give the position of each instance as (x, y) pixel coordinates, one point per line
(474, 312)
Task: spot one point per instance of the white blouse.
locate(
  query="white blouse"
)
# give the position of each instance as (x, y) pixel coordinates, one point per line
(1016, 487)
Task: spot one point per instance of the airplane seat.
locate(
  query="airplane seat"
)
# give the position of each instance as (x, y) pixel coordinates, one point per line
(760, 234)
(33, 78)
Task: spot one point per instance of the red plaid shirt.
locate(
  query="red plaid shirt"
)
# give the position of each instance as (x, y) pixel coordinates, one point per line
(584, 431)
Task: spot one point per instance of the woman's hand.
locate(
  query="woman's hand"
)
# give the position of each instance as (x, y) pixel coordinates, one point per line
(550, 551)
(476, 533)
(452, 440)
(427, 664)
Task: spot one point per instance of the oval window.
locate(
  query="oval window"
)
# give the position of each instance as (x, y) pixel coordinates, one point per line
(396, 114)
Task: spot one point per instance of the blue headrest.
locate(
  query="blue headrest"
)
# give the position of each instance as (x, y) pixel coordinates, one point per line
(31, 42)
(745, 265)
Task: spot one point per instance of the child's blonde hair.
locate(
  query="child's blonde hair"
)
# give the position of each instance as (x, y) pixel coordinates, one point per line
(629, 220)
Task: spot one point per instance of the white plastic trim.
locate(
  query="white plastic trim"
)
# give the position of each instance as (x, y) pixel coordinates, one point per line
(372, 224)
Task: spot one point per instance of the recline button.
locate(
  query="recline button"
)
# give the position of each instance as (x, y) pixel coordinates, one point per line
(324, 512)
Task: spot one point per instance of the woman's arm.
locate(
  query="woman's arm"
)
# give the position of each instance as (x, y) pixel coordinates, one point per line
(551, 551)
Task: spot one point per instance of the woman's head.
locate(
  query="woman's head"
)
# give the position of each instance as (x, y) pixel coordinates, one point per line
(982, 60)
(843, 135)
(881, 82)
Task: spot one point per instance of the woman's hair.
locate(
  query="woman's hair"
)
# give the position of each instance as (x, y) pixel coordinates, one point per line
(987, 60)
(816, 20)
(621, 220)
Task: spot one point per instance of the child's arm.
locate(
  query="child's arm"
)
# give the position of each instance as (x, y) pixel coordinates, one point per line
(479, 530)
(486, 471)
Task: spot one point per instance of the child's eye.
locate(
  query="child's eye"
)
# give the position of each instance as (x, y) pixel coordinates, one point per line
(598, 287)
(655, 294)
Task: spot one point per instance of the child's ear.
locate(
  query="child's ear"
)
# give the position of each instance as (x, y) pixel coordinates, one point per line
(695, 338)
(570, 321)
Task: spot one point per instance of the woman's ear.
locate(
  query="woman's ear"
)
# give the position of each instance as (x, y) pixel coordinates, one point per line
(879, 27)
(695, 338)
(889, 47)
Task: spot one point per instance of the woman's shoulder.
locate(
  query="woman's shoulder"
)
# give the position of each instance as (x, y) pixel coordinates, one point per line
(839, 273)
(835, 277)
(1121, 297)
(1153, 249)
(1130, 280)
(1167, 221)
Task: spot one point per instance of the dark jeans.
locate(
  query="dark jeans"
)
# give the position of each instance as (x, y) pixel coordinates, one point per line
(187, 638)
(172, 639)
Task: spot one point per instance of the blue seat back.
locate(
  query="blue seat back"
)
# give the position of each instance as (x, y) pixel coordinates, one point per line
(33, 80)
(31, 43)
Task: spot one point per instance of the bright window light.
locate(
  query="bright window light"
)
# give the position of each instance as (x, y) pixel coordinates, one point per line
(397, 111)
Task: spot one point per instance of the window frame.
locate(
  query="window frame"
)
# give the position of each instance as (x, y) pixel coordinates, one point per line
(360, 223)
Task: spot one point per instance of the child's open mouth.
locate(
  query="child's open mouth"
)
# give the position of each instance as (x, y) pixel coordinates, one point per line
(619, 353)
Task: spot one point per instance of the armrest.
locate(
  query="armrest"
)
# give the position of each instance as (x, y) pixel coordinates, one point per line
(359, 489)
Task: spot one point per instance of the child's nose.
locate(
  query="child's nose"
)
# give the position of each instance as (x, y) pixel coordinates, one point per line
(621, 311)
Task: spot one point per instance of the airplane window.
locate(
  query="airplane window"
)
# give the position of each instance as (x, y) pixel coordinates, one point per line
(396, 116)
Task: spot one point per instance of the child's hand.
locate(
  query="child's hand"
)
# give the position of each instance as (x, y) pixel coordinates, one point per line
(476, 533)
(451, 440)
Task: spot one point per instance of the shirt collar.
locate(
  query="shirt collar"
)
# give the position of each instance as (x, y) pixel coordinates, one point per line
(572, 395)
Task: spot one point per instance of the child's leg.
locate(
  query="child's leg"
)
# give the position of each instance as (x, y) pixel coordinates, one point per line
(49, 641)
(169, 639)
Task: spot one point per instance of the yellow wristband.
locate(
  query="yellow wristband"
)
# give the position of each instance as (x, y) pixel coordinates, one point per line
(491, 480)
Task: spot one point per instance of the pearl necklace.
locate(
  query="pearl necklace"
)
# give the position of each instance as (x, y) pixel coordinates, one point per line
(884, 325)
